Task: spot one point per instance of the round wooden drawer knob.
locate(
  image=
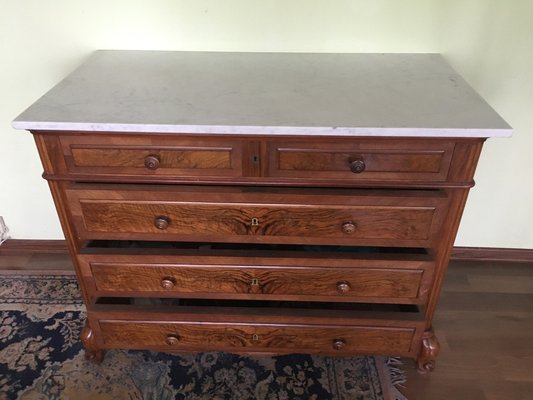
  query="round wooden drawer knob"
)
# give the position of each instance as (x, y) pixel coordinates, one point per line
(339, 344)
(172, 339)
(168, 283)
(152, 162)
(357, 166)
(348, 227)
(161, 222)
(343, 287)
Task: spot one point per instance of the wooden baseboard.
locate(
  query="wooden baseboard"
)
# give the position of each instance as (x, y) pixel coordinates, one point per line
(12, 246)
(492, 254)
(35, 257)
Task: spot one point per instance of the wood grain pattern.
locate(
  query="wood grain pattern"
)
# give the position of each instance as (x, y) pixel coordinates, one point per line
(293, 221)
(263, 282)
(57, 190)
(304, 160)
(384, 160)
(465, 157)
(277, 330)
(125, 155)
(256, 189)
(169, 158)
(407, 162)
(264, 216)
(311, 339)
(252, 158)
(281, 275)
(466, 327)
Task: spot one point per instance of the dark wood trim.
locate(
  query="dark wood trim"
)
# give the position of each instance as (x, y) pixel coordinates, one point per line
(32, 272)
(12, 246)
(35, 257)
(492, 254)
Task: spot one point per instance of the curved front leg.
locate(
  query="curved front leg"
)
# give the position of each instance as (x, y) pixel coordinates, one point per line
(428, 353)
(92, 352)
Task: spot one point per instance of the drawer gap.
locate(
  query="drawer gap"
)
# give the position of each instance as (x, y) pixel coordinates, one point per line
(312, 250)
(259, 304)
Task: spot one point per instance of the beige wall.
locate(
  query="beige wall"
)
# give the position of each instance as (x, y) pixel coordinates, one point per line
(490, 42)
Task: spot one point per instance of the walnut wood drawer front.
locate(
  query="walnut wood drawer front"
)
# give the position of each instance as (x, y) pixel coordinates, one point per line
(239, 333)
(338, 217)
(394, 280)
(127, 156)
(361, 159)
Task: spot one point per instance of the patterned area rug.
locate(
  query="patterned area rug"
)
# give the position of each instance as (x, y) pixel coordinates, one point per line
(41, 358)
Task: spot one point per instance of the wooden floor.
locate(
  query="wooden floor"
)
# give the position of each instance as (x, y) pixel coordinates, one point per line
(484, 322)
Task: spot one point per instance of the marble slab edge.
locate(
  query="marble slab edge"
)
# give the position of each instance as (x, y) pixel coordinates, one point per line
(263, 130)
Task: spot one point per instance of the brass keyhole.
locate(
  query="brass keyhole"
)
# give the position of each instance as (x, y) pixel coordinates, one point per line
(255, 337)
(255, 286)
(255, 222)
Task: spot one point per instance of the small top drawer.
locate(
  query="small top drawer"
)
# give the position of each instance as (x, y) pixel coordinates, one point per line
(258, 160)
(151, 156)
(378, 159)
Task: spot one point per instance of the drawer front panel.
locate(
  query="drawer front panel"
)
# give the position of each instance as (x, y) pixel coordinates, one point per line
(402, 285)
(176, 336)
(384, 220)
(368, 222)
(360, 160)
(156, 156)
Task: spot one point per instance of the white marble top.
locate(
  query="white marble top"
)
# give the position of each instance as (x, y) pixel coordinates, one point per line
(265, 93)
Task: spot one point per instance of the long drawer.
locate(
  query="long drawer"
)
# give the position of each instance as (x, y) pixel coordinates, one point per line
(339, 277)
(252, 215)
(254, 330)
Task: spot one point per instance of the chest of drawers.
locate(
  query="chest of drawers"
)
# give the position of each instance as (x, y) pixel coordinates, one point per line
(252, 236)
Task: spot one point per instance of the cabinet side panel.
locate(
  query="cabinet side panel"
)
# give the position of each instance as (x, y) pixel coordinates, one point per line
(50, 154)
(463, 166)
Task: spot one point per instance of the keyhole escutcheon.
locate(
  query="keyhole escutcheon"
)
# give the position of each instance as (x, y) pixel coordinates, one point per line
(255, 222)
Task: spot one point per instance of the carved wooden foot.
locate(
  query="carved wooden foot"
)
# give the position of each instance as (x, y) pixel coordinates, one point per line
(430, 349)
(92, 352)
